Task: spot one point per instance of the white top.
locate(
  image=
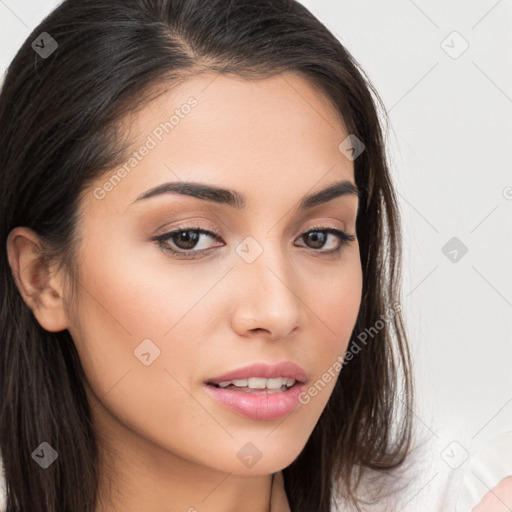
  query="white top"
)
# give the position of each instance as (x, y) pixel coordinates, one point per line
(442, 476)
(491, 464)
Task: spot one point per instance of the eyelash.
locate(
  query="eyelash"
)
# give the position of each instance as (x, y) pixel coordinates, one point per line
(162, 240)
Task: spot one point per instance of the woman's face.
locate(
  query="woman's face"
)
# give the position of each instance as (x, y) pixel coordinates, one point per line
(153, 327)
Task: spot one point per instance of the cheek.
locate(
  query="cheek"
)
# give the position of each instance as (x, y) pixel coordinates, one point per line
(136, 306)
(336, 306)
(336, 300)
(124, 302)
(340, 302)
(133, 314)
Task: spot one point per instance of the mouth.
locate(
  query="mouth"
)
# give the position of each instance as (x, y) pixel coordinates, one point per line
(259, 391)
(257, 385)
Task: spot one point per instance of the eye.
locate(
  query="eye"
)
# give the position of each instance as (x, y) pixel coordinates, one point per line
(192, 241)
(318, 236)
(182, 240)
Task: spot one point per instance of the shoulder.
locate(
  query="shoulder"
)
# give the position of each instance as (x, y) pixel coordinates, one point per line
(498, 499)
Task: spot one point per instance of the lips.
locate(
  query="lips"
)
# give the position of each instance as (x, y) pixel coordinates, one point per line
(285, 370)
(259, 391)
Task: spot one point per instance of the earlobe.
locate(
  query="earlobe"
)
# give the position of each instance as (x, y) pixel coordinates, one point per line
(41, 291)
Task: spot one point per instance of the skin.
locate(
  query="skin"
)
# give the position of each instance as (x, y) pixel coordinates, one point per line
(498, 499)
(163, 440)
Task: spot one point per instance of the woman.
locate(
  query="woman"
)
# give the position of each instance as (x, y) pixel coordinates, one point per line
(201, 273)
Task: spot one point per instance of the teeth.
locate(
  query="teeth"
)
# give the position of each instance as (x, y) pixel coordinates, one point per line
(276, 383)
(259, 383)
(256, 383)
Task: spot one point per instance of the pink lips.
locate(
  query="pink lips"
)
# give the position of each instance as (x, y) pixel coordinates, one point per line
(260, 405)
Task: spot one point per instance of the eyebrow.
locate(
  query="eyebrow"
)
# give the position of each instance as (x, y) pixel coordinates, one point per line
(236, 200)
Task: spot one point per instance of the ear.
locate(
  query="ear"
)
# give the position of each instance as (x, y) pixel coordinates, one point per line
(41, 291)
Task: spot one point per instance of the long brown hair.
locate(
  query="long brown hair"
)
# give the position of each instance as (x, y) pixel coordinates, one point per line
(60, 115)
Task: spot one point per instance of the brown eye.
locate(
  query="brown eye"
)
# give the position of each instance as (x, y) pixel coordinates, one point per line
(317, 238)
(186, 239)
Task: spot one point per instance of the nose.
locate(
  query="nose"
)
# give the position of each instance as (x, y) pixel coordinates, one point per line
(267, 298)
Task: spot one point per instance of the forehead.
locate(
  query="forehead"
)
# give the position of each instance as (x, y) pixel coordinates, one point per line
(263, 135)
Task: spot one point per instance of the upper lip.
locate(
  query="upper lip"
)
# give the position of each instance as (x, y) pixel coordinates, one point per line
(286, 369)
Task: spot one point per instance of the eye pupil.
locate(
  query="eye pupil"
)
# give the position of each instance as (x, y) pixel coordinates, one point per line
(189, 240)
(317, 237)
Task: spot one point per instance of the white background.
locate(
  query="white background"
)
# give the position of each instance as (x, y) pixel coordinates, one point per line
(451, 151)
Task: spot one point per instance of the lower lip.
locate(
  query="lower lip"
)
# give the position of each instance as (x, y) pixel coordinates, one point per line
(258, 406)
